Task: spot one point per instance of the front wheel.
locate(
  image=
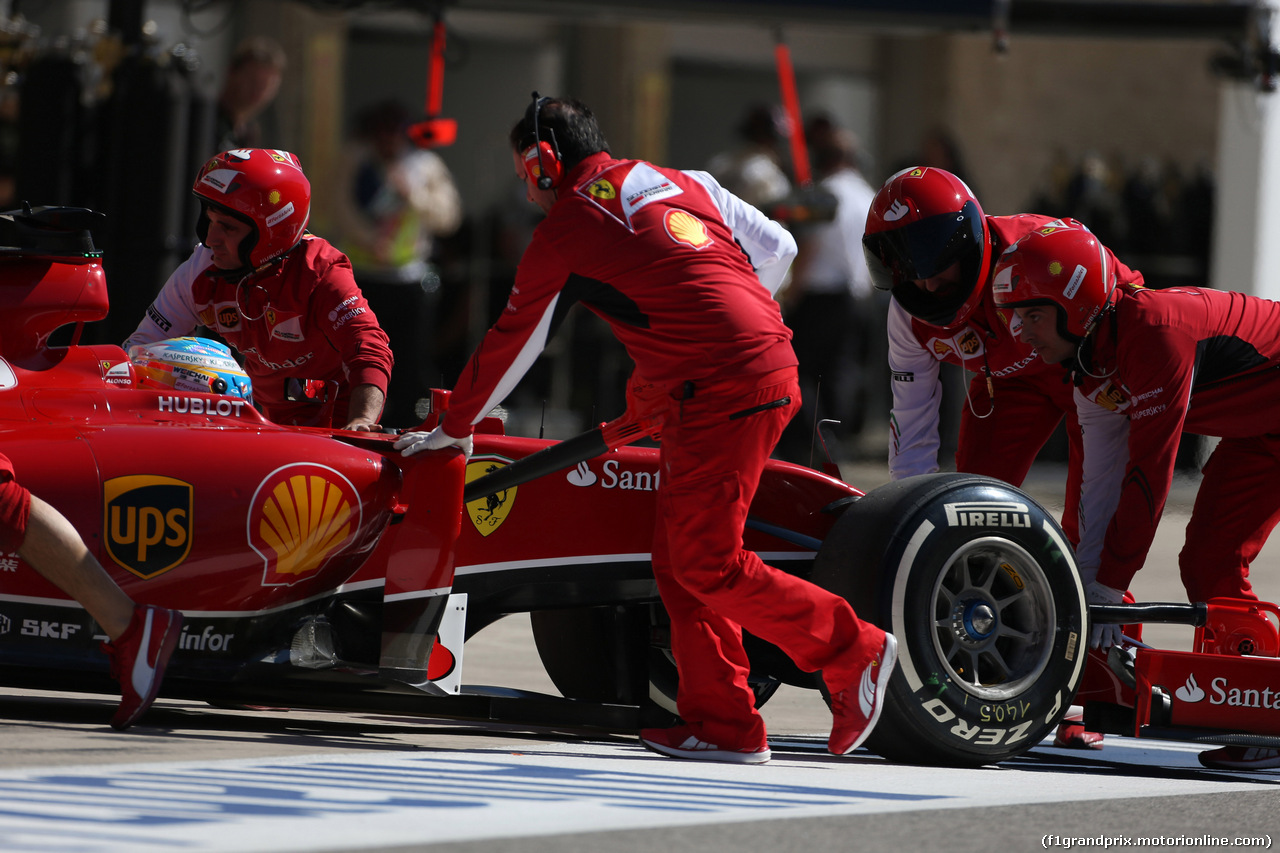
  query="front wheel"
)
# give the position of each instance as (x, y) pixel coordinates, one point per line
(979, 585)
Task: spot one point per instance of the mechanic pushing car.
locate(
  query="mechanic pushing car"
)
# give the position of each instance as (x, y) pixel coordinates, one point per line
(1148, 365)
(666, 257)
(929, 243)
(142, 637)
(284, 298)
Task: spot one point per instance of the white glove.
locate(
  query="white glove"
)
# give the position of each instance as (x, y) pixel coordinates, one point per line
(1104, 636)
(412, 442)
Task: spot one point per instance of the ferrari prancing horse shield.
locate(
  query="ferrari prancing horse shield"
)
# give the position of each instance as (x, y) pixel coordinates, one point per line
(488, 513)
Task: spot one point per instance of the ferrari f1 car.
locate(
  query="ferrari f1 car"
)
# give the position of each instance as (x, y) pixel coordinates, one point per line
(318, 568)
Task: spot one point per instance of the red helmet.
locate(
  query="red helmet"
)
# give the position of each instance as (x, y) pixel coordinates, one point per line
(1060, 264)
(262, 187)
(923, 221)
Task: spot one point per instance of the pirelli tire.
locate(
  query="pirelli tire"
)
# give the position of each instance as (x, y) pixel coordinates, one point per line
(979, 585)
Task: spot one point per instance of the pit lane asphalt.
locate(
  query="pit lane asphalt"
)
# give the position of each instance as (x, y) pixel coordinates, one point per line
(57, 747)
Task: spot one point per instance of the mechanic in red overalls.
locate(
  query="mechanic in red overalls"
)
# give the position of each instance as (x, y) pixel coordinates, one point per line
(142, 637)
(1149, 365)
(286, 300)
(666, 258)
(929, 243)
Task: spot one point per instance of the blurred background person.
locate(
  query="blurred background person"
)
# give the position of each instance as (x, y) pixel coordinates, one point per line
(251, 85)
(829, 303)
(753, 170)
(396, 200)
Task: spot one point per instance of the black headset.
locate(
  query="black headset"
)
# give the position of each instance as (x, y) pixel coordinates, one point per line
(547, 177)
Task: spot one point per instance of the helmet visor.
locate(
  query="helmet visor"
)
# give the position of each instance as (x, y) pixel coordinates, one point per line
(923, 249)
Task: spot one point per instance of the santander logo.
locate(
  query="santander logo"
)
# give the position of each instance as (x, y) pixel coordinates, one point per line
(582, 475)
(1190, 692)
(1222, 693)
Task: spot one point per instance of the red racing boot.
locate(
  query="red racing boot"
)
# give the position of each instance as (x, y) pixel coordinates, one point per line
(856, 709)
(1241, 758)
(1073, 735)
(681, 742)
(138, 659)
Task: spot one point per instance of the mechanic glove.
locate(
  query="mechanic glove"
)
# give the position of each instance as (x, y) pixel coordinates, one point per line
(412, 442)
(1104, 636)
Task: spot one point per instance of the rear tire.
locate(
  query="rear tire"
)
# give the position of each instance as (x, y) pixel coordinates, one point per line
(980, 587)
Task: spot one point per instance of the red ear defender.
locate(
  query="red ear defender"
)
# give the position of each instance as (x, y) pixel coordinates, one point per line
(549, 169)
(541, 161)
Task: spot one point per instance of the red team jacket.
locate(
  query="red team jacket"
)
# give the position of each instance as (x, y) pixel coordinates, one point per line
(665, 257)
(916, 351)
(314, 325)
(1191, 359)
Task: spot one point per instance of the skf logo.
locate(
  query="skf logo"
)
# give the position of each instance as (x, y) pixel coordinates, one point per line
(969, 343)
(301, 516)
(147, 522)
(49, 630)
(687, 229)
(602, 189)
(228, 317)
(489, 512)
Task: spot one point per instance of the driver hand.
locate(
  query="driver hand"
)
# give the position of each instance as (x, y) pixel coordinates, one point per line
(1104, 636)
(412, 442)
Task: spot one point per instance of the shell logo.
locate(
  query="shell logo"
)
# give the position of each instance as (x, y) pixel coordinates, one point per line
(301, 516)
(1055, 268)
(685, 228)
(273, 197)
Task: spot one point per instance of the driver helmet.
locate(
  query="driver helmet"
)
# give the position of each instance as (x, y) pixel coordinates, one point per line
(1061, 264)
(264, 188)
(923, 221)
(191, 364)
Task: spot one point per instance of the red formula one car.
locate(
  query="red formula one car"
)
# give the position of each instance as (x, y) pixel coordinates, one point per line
(318, 568)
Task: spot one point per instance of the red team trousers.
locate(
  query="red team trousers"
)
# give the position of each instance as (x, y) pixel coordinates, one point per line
(1004, 444)
(714, 445)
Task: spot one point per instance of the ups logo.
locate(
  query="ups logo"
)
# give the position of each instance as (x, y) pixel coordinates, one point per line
(228, 317)
(147, 523)
(1110, 398)
(969, 343)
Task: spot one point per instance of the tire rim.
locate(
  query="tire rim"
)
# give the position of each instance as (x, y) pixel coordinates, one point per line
(994, 619)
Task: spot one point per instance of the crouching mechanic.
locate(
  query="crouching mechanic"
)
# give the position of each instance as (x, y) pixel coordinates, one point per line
(142, 637)
(285, 299)
(1149, 365)
(666, 257)
(929, 243)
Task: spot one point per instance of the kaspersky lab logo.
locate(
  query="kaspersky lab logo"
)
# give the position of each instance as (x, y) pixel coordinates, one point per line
(147, 522)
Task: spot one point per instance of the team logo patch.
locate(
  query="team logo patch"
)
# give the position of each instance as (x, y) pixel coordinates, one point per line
(687, 229)
(301, 516)
(1112, 398)
(283, 325)
(602, 189)
(147, 522)
(222, 180)
(489, 512)
(969, 343)
(228, 317)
